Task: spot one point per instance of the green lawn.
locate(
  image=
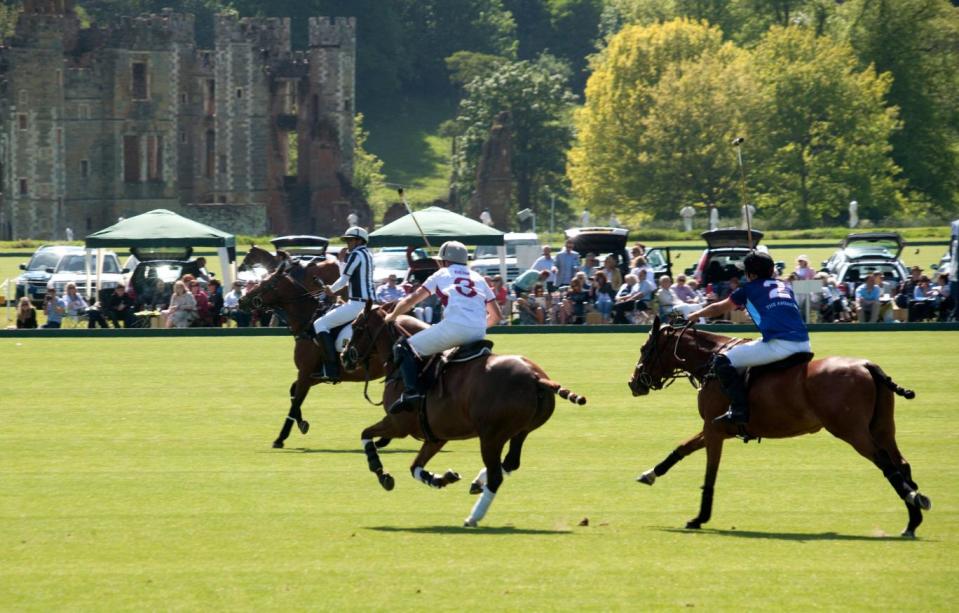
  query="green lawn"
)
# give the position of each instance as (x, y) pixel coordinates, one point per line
(138, 474)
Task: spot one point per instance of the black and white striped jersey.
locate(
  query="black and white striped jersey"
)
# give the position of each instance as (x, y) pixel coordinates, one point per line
(359, 270)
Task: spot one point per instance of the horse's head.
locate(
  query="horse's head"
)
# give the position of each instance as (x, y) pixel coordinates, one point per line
(258, 258)
(656, 365)
(368, 328)
(276, 290)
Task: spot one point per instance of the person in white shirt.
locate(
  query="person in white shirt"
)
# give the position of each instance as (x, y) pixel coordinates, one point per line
(687, 213)
(470, 310)
(547, 263)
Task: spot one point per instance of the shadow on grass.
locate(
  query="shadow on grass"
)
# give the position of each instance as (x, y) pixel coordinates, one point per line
(801, 537)
(482, 531)
(386, 451)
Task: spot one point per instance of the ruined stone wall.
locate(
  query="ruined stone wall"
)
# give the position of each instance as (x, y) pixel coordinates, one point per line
(249, 219)
(124, 119)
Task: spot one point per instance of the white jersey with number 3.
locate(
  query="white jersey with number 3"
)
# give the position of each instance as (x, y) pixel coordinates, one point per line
(464, 292)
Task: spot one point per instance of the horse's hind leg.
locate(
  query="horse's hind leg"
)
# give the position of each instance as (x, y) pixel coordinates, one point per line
(510, 463)
(714, 452)
(884, 434)
(384, 428)
(297, 396)
(687, 447)
(492, 451)
(417, 468)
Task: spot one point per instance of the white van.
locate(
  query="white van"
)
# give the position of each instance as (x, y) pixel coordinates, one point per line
(522, 249)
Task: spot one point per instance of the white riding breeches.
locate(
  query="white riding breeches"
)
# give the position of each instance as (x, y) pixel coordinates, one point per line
(343, 314)
(444, 335)
(757, 352)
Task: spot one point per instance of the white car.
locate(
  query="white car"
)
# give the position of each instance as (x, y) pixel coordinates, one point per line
(522, 249)
(393, 261)
(57, 265)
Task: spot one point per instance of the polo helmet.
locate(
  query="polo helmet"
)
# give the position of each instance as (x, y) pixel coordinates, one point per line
(454, 251)
(356, 232)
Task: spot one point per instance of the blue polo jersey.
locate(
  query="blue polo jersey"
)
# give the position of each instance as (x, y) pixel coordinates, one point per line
(772, 305)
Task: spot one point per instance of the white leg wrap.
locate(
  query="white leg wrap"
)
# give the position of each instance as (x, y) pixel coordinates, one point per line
(418, 475)
(364, 441)
(481, 507)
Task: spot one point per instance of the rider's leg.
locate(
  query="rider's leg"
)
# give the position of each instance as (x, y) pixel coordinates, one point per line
(735, 389)
(408, 365)
(733, 362)
(343, 314)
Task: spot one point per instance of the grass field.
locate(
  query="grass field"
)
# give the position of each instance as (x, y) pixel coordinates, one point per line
(138, 474)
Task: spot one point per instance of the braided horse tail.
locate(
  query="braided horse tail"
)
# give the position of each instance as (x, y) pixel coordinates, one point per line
(562, 392)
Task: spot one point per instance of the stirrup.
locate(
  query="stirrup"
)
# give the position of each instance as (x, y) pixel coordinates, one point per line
(406, 402)
(730, 417)
(322, 376)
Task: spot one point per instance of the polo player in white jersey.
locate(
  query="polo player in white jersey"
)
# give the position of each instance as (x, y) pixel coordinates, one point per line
(358, 277)
(470, 309)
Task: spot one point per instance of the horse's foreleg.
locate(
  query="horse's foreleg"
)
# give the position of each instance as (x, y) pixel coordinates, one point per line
(383, 428)
(492, 451)
(417, 468)
(714, 452)
(298, 393)
(690, 445)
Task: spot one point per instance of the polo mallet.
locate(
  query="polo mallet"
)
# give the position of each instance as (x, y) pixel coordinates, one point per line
(738, 144)
(410, 211)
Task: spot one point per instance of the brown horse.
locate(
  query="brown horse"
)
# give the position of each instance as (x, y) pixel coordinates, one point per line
(292, 289)
(499, 398)
(851, 398)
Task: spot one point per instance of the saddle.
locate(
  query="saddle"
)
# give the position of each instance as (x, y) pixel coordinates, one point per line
(755, 372)
(432, 370)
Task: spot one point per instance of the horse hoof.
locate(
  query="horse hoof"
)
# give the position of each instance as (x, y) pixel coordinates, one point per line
(451, 476)
(693, 524)
(918, 500)
(278, 444)
(304, 426)
(648, 477)
(470, 523)
(386, 480)
(383, 442)
(909, 534)
(476, 488)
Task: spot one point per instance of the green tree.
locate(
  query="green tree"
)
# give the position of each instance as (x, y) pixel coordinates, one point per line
(821, 130)
(610, 167)
(917, 42)
(8, 19)
(538, 98)
(367, 168)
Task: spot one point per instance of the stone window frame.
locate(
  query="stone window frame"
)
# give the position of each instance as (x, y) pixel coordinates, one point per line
(84, 168)
(23, 186)
(23, 121)
(134, 61)
(239, 93)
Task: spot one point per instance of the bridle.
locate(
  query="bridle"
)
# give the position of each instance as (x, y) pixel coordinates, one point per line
(696, 375)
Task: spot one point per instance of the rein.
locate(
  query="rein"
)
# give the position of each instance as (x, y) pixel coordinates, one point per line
(364, 361)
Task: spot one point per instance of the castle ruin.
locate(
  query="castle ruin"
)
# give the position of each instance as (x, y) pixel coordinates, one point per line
(112, 121)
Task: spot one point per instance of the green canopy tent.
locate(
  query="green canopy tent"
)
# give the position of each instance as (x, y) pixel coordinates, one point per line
(439, 226)
(163, 228)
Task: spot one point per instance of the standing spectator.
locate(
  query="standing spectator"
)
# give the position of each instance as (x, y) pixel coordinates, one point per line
(231, 306)
(803, 271)
(687, 213)
(202, 275)
(53, 308)
(26, 314)
(547, 263)
(216, 302)
(120, 307)
(182, 309)
(867, 300)
(567, 264)
(389, 291)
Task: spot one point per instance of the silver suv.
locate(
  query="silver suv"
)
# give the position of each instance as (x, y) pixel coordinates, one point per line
(57, 265)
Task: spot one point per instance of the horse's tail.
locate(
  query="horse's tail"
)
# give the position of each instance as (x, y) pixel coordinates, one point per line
(879, 376)
(562, 392)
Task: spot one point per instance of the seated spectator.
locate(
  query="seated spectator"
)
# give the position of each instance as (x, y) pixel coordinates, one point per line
(389, 291)
(429, 310)
(182, 310)
(907, 288)
(216, 302)
(726, 289)
(231, 306)
(944, 298)
(684, 292)
(694, 287)
(611, 270)
(627, 300)
(204, 313)
(523, 284)
(639, 263)
(601, 295)
(121, 307)
(922, 306)
(665, 298)
(590, 265)
(573, 308)
(202, 275)
(833, 306)
(26, 314)
(53, 308)
(501, 293)
(867, 300)
(154, 298)
(803, 271)
(73, 302)
(531, 307)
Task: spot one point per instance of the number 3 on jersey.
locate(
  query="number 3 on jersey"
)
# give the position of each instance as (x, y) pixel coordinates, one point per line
(465, 286)
(778, 289)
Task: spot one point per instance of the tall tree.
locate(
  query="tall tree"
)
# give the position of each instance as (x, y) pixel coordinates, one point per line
(917, 42)
(538, 98)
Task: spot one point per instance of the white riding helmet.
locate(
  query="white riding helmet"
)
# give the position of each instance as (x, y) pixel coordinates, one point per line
(357, 232)
(454, 251)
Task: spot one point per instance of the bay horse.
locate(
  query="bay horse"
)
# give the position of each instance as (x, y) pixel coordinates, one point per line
(851, 398)
(498, 398)
(293, 289)
(259, 257)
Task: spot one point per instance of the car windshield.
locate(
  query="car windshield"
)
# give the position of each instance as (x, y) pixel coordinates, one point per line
(77, 263)
(391, 259)
(43, 260)
(857, 273)
(490, 251)
(858, 250)
(166, 272)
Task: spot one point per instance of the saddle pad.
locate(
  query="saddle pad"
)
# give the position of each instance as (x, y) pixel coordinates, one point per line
(793, 360)
(470, 351)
